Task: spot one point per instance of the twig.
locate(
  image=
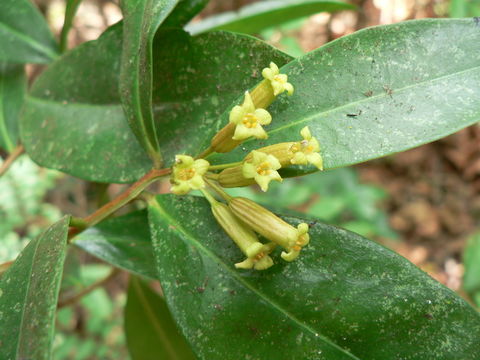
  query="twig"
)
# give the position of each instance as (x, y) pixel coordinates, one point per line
(11, 158)
(88, 289)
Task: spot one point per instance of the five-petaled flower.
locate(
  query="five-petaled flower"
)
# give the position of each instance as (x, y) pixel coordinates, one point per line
(307, 150)
(249, 120)
(187, 174)
(263, 168)
(278, 81)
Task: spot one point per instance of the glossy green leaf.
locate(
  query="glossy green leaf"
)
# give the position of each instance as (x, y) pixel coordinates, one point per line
(24, 34)
(149, 328)
(345, 297)
(28, 296)
(205, 74)
(73, 120)
(381, 90)
(184, 12)
(122, 241)
(13, 84)
(260, 15)
(141, 21)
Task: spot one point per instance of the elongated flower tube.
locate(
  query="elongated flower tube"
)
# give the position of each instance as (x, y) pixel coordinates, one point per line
(262, 168)
(271, 226)
(187, 174)
(278, 81)
(245, 238)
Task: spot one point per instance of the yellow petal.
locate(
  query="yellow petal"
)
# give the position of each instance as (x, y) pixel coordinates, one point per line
(181, 188)
(306, 134)
(274, 68)
(289, 88)
(258, 157)
(246, 264)
(248, 170)
(290, 256)
(277, 87)
(268, 74)
(299, 158)
(263, 116)
(273, 161)
(315, 159)
(264, 263)
(248, 105)
(201, 166)
(196, 182)
(258, 132)
(263, 181)
(183, 161)
(282, 78)
(236, 115)
(241, 132)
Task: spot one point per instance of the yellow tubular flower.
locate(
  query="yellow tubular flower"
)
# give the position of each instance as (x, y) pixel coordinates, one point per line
(307, 150)
(271, 226)
(187, 174)
(249, 120)
(263, 168)
(278, 81)
(245, 238)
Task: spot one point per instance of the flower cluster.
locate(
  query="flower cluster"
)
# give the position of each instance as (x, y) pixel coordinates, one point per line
(242, 219)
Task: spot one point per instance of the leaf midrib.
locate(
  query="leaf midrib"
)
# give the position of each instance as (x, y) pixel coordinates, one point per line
(367, 99)
(178, 227)
(30, 41)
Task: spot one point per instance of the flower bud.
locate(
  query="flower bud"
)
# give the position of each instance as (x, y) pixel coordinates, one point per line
(245, 238)
(222, 142)
(233, 177)
(271, 226)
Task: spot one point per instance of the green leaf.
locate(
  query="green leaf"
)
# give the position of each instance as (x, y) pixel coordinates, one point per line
(73, 120)
(122, 241)
(28, 296)
(149, 328)
(345, 297)
(380, 91)
(141, 21)
(471, 278)
(184, 12)
(24, 34)
(13, 85)
(196, 78)
(255, 17)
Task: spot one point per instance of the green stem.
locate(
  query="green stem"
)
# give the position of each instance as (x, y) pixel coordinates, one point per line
(209, 197)
(70, 11)
(204, 153)
(131, 193)
(218, 190)
(224, 166)
(212, 176)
